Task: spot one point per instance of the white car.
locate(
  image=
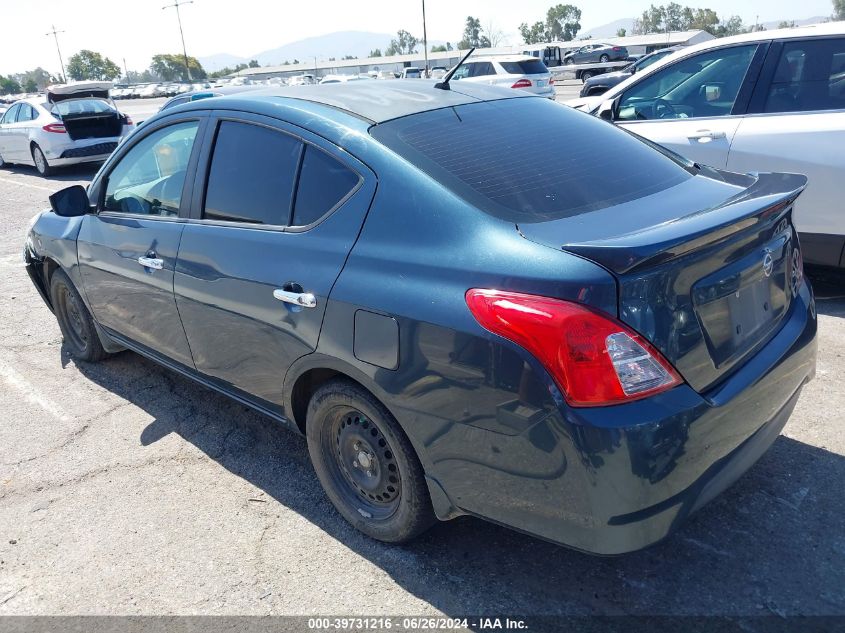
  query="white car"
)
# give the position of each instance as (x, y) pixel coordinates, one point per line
(764, 101)
(513, 71)
(73, 123)
(338, 79)
(411, 72)
(302, 80)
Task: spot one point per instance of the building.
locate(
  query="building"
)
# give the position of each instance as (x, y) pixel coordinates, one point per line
(636, 45)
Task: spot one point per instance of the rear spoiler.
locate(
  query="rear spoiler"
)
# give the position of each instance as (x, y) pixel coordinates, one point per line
(764, 200)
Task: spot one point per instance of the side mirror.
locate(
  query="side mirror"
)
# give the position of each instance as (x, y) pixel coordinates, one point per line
(70, 202)
(607, 110)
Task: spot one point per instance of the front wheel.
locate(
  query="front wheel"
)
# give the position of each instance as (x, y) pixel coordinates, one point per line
(569, 61)
(40, 161)
(604, 59)
(586, 75)
(366, 463)
(75, 322)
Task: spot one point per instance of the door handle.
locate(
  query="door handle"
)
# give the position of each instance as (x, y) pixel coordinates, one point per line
(303, 299)
(151, 262)
(706, 134)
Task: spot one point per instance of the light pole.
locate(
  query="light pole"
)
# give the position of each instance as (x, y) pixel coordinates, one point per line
(55, 35)
(425, 41)
(176, 5)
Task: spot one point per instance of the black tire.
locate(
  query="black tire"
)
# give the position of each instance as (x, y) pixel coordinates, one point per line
(366, 463)
(569, 61)
(586, 75)
(75, 321)
(41, 165)
(604, 59)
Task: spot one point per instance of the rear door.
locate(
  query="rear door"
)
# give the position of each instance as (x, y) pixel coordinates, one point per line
(7, 132)
(276, 211)
(797, 124)
(127, 251)
(695, 105)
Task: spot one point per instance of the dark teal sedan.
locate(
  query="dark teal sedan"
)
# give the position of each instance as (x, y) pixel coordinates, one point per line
(445, 290)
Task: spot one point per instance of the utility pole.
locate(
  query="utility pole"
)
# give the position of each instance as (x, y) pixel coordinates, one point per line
(55, 35)
(125, 70)
(425, 41)
(176, 5)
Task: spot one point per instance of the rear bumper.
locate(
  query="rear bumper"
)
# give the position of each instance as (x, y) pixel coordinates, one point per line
(616, 479)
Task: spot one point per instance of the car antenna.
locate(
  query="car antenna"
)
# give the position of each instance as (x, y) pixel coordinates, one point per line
(444, 85)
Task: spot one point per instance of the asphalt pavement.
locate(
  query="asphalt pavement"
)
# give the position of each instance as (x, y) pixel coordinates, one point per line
(127, 489)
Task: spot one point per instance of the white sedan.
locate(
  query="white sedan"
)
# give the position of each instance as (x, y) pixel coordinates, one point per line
(73, 123)
(763, 101)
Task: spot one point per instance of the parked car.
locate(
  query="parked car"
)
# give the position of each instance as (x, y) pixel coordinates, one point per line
(206, 94)
(511, 71)
(770, 100)
(437, 72)
(595, 53)
(411, 72)
(601, 83)
(604, 356)
(74, 123)
(387, 74)
(339, 79)
(302, 80)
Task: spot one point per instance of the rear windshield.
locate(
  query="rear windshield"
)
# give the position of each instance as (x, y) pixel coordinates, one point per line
(530, 159)
(81, 106)
(527, 67)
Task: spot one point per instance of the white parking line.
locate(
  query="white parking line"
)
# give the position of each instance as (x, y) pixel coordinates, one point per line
(26, 184)
(29, 391)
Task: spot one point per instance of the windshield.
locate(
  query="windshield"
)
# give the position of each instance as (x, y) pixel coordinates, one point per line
(647, 61)
(556, 164)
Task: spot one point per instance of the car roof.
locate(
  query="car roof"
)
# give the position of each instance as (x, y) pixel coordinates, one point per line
(502, 58)
(798, 32)
(379, 101)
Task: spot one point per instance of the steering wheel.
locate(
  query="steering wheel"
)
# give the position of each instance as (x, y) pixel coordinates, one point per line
(662, 109)
(135, 204)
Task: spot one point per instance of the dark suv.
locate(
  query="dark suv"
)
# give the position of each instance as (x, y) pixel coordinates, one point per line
(457, 327)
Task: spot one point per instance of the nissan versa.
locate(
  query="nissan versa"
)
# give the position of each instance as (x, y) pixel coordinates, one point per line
(456, 326)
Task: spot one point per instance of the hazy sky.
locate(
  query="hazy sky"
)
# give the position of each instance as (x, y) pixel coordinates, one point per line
(137, 29)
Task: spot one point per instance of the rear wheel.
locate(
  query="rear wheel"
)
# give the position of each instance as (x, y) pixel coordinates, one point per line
(366, 464)
(40, 161)
(586, 75)
(75, 321)
(604, 58)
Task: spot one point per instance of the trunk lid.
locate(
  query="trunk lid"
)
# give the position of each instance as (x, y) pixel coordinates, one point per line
(89, 117)
(78, 89)
(705, 269)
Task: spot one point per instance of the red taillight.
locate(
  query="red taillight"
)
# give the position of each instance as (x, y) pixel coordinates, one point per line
(128, 119)
(522, 83)
(594, 359)
(57, 128)
(551, 81)
(616, 48)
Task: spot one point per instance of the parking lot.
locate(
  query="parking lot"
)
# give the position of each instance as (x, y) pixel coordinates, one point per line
(128, 489)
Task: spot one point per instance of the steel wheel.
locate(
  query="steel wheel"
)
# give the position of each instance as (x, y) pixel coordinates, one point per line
(76, 324)
(366, 463)
(72, 316)
(604, 59)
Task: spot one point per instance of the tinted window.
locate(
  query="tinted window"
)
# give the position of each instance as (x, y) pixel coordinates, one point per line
(482, 69)
(252, 174)
(702, 85)
(556, 163)
(647, 61)
(810, 76)
(465, 70)
(323, 182)
(150, 177)
(528, 67)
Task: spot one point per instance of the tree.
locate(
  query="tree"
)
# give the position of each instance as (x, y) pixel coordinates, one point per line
(494, 34)
(621, 32)
(349, 57)
(733, 26)
(438, 49)
(473, 37)
(30, 86)
(838, 9)
(702, 20)
(172, 67)
(9, 86)
(375, 52)
(563, 22)
(403, 44)
(533, 34)
(39, 76)
(91, 65)
(787, 25)
(253, 63)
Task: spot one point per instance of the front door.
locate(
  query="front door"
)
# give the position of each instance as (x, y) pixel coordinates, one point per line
(265, 244)
(8, 134)
(690, 106)
(127, 252)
